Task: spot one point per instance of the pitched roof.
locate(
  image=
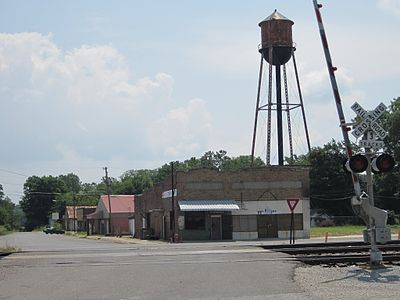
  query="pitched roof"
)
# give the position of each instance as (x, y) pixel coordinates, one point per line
(275, 16)
(119, 203)
(69, 210)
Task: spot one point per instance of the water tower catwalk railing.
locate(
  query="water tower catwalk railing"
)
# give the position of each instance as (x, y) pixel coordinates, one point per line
(277, 49)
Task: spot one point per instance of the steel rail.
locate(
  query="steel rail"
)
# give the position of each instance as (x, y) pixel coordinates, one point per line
(348, 249)
(335, 259)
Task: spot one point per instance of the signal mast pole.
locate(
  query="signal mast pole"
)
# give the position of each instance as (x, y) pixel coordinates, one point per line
(375, 254)
(110, 229)
(331, 70)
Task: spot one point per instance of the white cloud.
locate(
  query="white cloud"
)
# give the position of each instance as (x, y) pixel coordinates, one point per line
(223, 51)
(390, 6)
(83, 103)
(182, 131)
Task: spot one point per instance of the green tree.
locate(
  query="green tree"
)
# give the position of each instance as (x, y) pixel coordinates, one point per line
(77, 194)
(6, 210)
(71, 182)
(10, 215)
(134, 182)
(387, 185)
(214, 160)
(137, 181)
(210, 160)
(38, 199)
(165, 170)
(90, 192)
(1, 192)
(241, 162)
(331, 186)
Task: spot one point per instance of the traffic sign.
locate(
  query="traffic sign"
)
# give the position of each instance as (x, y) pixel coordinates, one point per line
(292, 203)
(380, 132)
(369, 119)
(374, 144)
(168, 194)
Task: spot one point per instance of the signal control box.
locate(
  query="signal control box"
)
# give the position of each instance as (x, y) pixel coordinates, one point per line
(383, 235)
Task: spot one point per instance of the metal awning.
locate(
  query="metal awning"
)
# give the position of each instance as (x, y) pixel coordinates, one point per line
(208, 205)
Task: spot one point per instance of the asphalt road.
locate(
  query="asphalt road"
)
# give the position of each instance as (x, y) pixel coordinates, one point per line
(62, 267)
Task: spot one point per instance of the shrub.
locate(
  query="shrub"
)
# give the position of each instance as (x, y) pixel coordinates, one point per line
(393, 218)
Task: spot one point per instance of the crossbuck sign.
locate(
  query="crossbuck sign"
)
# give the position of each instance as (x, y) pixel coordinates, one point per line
(369, 119)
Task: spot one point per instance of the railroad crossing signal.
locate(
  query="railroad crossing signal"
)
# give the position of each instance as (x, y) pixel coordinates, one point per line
(382, 163)
(359, 163)
(371, 130)
(369, 119)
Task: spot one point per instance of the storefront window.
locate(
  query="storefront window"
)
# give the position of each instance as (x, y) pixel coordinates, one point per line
(195, 220)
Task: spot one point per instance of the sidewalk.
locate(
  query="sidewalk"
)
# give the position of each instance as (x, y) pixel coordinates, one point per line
(130, 240)
(125, 240)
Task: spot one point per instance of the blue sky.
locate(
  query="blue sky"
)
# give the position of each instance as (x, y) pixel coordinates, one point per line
(136, 84)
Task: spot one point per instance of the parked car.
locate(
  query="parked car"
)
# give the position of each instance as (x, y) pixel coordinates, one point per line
(52, 230)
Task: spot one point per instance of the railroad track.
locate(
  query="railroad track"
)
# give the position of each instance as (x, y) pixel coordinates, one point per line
(339, 253)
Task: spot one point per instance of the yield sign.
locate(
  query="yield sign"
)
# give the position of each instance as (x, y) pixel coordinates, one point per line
(292, 203)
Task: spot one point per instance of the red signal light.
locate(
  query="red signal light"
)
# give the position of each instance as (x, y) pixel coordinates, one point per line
(357, 163)
(383, 163)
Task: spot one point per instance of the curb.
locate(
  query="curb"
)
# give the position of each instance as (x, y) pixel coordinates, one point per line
(4, 254)
(125, 240)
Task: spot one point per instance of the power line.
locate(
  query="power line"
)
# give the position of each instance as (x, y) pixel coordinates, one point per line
(9, 183)
(12, 172)
(57, 193)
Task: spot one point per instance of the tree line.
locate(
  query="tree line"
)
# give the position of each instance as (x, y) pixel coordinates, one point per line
(330, 185)
(46, 194)
(11, 215)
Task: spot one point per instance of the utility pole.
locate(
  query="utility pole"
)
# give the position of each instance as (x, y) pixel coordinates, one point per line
(74, 207)
(109, 200)
(173, 202)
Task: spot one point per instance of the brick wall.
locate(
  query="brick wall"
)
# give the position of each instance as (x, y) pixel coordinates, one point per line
(259, 184)
(252, 184)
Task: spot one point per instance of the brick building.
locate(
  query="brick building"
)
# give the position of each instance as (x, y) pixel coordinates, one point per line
(212, 205)
(75, 217)
(112, 215)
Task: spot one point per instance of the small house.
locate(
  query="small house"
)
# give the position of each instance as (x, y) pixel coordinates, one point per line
(112, 215)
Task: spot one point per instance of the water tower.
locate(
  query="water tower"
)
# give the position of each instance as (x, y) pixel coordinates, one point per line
(277, 49)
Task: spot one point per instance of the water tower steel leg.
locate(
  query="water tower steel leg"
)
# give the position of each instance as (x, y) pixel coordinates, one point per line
(257, 110)
(288, 112)
(268, 154)
(279, 114)
(301, 102)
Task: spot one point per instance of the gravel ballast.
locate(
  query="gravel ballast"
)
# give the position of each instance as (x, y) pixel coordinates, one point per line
(349, 282)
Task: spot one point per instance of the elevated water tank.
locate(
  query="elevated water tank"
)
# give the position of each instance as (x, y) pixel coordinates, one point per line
(276, 35)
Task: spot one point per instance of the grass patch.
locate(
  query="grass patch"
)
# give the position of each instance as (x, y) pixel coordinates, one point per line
(395, 229)
(4, 230)
(9, 249)
(79, 234)
(344, 230)
(336, 230)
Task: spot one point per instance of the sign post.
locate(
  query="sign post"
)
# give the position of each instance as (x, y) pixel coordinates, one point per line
(292, 203)
(372, 135)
